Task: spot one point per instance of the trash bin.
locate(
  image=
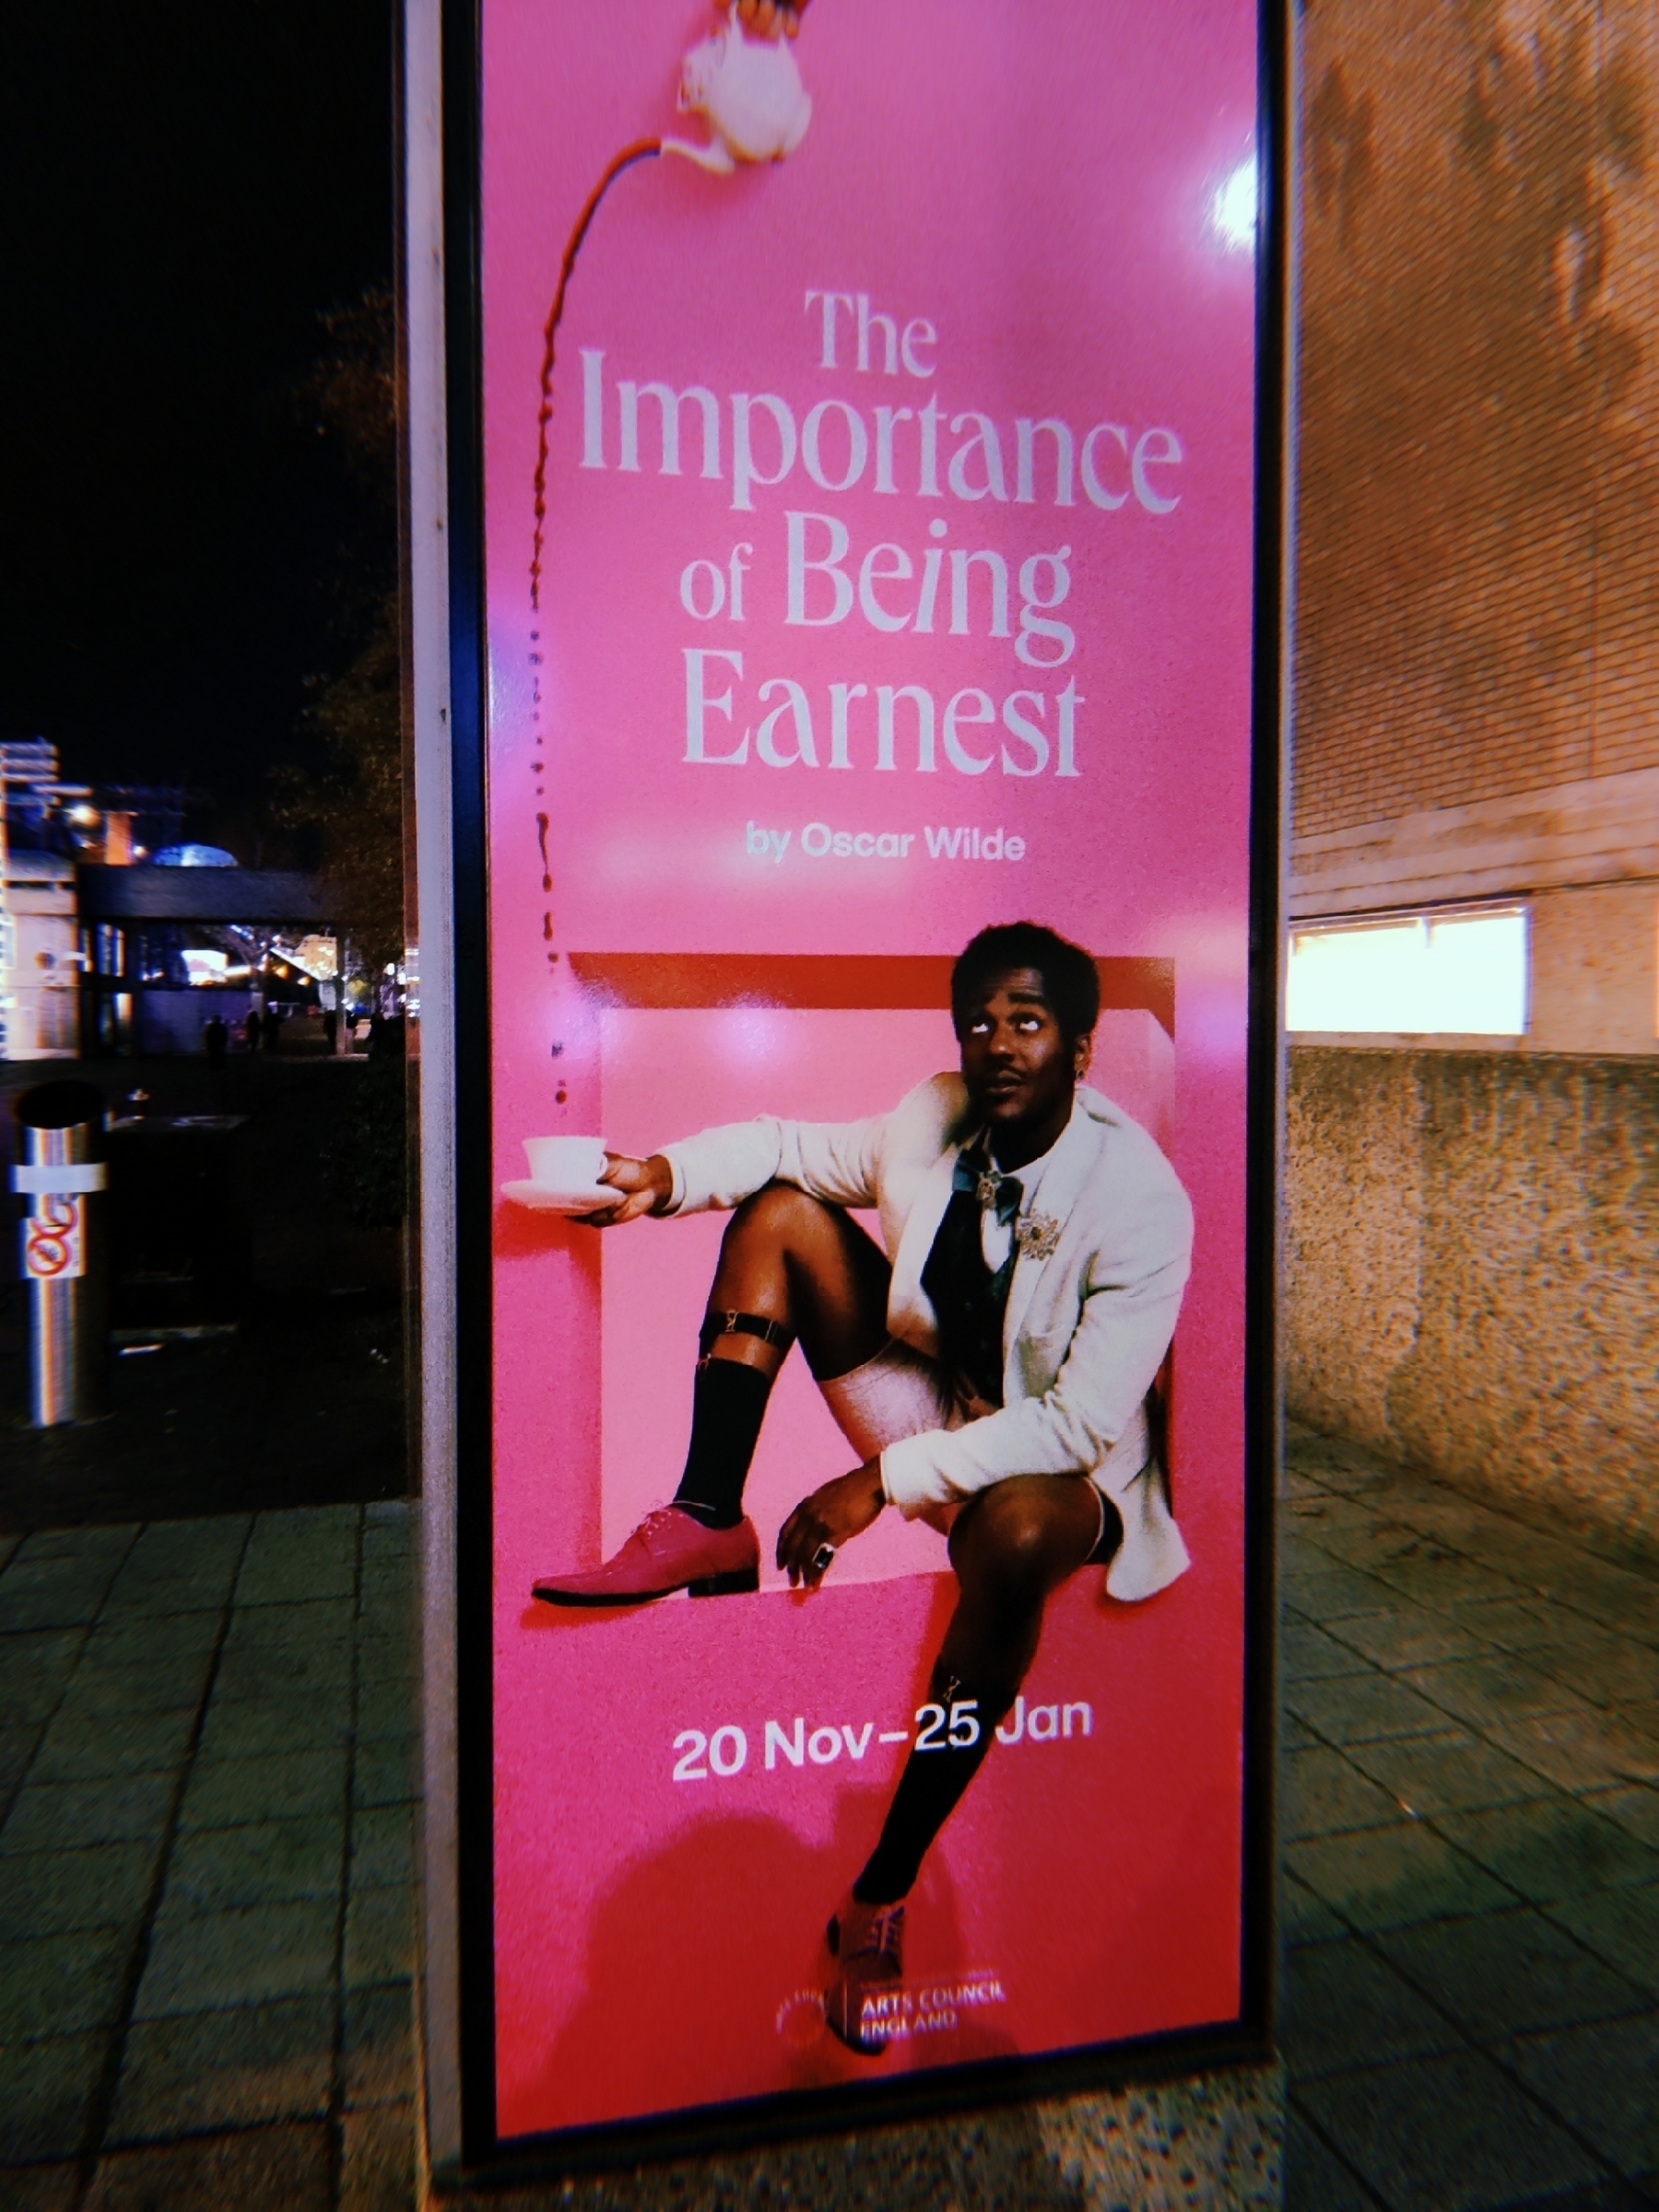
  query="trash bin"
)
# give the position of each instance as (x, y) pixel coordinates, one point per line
(181, 1251)
(62, 1177)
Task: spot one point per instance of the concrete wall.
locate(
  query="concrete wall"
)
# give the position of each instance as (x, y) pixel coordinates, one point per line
(1470, 1270)
(1595, 970)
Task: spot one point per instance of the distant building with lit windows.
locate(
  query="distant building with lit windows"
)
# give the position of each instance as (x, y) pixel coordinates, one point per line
(117, 936)
(40, 942)
(168, 947)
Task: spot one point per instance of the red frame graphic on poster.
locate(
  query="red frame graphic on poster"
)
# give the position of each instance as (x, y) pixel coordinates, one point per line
(867, 457)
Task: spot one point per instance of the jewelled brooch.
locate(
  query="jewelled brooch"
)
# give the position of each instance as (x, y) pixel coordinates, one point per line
(1038, 1236)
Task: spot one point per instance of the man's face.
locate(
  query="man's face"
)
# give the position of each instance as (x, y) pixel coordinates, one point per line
(1019, 1069)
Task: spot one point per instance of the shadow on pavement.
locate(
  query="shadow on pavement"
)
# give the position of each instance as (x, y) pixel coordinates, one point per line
(301, 1402)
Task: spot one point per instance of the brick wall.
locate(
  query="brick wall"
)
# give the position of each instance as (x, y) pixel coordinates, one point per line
(1478, 464)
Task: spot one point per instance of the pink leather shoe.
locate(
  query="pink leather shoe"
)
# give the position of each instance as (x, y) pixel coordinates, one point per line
(867, 1945)
(670, 1550)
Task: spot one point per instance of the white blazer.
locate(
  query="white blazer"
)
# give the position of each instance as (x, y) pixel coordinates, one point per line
(1086, 1329)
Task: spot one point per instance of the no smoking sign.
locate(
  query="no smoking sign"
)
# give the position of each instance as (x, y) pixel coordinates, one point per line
(54, 1245)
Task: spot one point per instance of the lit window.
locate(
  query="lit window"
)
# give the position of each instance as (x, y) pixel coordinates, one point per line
(1424, 975)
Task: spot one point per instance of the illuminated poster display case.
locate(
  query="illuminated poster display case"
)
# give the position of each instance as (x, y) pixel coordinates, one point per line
(865, 546)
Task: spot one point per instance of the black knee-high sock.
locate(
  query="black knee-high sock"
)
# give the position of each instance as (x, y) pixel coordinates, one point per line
(728, 1404)
(929, 1790)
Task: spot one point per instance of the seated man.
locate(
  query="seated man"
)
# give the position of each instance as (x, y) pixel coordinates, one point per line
(993, 1368)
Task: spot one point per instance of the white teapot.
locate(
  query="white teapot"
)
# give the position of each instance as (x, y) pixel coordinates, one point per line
(749, 93)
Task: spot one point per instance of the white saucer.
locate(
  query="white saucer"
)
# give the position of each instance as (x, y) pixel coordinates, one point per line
(541, 1200)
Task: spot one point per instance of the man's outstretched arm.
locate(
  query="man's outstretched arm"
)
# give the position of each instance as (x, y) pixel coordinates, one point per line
(720, 1168)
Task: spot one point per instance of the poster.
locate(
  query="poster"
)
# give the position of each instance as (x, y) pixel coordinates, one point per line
(869, 486)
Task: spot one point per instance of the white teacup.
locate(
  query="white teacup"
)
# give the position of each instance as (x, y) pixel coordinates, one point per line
(565, 1166)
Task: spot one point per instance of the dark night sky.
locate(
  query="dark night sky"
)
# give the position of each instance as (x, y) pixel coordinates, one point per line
(187, 184)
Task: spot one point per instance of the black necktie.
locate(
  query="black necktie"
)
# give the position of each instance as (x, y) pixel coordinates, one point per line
(967, 1298)
(993, 1191)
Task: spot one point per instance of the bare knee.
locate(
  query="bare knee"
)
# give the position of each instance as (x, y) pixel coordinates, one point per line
(778, 1212)
(1001, 1547)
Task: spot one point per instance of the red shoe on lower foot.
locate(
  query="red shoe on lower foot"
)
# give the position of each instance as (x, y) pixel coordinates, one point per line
(859, 1998)
(670, 1550)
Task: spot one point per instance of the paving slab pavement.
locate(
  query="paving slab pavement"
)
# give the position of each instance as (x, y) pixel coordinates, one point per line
(206, 1903)
(208, 1768)
(1471, 1852)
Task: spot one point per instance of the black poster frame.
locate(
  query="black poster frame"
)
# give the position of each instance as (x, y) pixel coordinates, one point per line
(1248, 2039)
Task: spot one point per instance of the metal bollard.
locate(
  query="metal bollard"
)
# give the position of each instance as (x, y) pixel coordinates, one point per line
(65, 1250)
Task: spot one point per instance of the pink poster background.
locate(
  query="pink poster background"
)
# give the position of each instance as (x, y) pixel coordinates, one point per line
(1040, 186)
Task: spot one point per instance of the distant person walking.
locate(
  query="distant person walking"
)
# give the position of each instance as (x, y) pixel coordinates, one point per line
(272, 1030)
(331, 1030)
(251, 1029)
(216, 1036)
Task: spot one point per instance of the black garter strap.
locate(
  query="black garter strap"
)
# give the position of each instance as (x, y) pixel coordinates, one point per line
(727, 1324)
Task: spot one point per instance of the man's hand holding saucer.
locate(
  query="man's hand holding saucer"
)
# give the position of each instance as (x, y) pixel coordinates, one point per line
(643, 1186)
